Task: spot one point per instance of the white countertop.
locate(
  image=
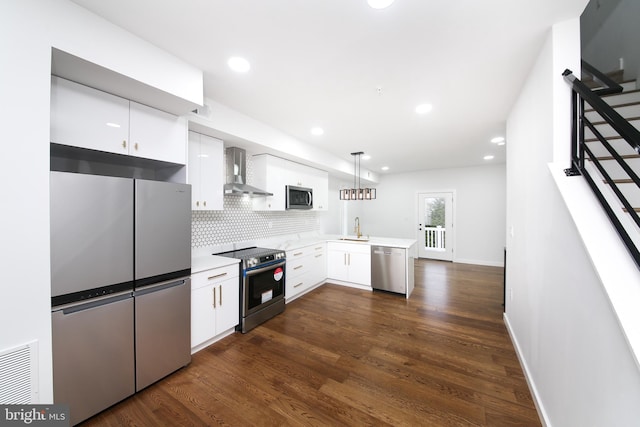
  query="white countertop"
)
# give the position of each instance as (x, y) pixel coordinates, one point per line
(377, 241)
(203, 260)
(293, 244)
(208, 262)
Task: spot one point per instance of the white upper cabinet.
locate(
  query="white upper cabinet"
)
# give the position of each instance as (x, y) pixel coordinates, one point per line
(154, 134)
(270, 173)
(88, 118)
(273, 174)
(206, 176)
(320, 184)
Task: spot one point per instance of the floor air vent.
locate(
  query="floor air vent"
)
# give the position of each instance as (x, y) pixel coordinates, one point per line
(19, 374)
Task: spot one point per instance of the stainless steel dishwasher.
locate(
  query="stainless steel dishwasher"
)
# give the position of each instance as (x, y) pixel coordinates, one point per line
(388, 269)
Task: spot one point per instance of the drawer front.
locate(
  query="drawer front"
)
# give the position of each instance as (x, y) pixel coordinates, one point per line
(215, 275)
(298, 266)
(297, 285)
(298, 253)
(305, 251)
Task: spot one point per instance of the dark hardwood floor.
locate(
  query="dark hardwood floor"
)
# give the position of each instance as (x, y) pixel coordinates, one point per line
(343, 356)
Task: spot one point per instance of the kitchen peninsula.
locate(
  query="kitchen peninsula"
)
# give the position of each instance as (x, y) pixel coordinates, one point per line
(321, 248)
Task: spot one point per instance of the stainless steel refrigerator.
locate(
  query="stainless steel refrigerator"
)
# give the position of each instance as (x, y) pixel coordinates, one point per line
(120, 287)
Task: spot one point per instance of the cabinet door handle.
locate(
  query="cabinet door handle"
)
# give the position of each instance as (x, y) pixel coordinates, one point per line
(214, 297)
(298, 267)
(299, 284)
(345, 258)
(220, 288)
(318, 248)
(297, 254)
(197, 203)
(135, 146)
(124, 143)
(318, 256)
(216, 276)
(204, 203)
(349, 258)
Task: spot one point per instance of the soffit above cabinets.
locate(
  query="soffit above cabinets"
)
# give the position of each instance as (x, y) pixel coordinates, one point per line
(81, 71)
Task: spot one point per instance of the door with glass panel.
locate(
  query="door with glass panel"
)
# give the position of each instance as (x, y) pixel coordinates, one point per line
(435, 226)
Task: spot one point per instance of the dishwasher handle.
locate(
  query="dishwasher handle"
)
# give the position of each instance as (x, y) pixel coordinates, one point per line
(387, 251)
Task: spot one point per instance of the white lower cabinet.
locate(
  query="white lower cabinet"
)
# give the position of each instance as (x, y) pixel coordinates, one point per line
(306, 268)
(349, 262)
(215, 305)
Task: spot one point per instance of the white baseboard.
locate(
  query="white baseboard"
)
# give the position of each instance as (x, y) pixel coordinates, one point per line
(544, 419)
(349, 284)
(287, 300)
(212, 340)
(480, 262)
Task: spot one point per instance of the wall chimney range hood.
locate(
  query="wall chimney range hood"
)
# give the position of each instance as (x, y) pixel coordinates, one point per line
(237, 175)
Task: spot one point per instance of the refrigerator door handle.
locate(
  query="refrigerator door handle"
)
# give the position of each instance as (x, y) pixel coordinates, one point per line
(158, 287)
(96, 302)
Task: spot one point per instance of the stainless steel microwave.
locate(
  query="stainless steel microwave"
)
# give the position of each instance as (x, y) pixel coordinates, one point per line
(298, 197)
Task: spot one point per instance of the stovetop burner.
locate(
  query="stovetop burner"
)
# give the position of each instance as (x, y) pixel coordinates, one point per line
(254, 256)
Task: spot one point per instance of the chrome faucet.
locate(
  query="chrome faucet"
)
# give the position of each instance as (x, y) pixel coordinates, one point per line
(357, 228)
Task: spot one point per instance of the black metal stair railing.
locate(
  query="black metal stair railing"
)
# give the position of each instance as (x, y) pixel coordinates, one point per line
(581, 152)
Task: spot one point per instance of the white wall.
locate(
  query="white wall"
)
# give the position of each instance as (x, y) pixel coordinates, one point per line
(574, 352)
(479, 209)
(331, 220)
(28, 30)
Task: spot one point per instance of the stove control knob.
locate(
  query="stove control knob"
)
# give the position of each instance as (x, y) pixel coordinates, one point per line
(251, 262)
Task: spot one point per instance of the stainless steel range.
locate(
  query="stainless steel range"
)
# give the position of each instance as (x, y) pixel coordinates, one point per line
(262, 279)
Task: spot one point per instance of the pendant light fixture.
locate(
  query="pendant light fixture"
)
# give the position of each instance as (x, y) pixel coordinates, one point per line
(357, 193)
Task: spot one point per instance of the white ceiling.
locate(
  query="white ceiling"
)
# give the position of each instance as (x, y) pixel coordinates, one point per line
(321, 62)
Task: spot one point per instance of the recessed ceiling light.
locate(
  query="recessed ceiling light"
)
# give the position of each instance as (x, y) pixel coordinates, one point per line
(498, 139)
(113, 125)
(385, 168)
(488, 157)
(424, 108)
(239, 64)
(317, 131)
(379, 4)
(366, 157)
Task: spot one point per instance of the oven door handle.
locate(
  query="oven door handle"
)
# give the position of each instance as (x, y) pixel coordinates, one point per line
(265, 268)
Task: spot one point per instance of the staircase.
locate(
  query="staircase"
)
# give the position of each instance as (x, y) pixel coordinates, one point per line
(627, 104)
(606, 149)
